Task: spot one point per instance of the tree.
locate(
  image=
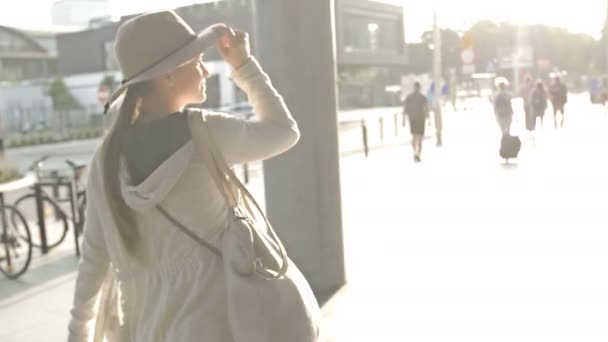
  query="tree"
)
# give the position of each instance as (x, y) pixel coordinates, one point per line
(566, 50)
(61, 97)
(63, 102)
(108, 81)
(450, 49)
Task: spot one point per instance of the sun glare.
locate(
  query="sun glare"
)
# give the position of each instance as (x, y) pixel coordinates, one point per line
(582, 16)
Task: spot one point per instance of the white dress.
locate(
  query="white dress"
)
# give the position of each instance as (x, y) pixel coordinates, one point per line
(178, 294)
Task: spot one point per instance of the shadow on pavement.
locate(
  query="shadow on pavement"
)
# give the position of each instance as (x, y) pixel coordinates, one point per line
(37, 279)
(509, 166)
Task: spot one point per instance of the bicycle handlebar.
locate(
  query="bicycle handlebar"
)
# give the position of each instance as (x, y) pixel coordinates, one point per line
(75, 166)
(37, 164)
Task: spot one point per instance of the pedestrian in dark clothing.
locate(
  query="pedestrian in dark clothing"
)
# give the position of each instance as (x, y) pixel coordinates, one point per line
(559, 97)
(503, 109)
(538, 101)
(417, 109)
(525, 91)
(604, 91)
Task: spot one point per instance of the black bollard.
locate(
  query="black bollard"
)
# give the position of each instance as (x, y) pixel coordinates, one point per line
(364, 131)
(246, 173)
(396, 119)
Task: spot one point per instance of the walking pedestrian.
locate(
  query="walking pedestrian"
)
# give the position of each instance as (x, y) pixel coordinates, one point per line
(525, 91)
(559, 96)
(538, 100)
(603, 90)
(503, 108)
(417, 109)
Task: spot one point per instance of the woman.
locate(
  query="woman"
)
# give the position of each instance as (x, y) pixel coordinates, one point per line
(558, 93)
(171, 288)
(503, 108)
(538, 101)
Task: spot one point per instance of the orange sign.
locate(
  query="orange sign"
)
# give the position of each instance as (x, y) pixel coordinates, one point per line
(467, 41)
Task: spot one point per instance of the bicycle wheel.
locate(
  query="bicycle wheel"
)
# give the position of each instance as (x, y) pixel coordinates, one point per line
(15, 244)
(55, 219)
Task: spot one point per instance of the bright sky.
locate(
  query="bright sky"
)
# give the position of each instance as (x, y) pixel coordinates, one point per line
(19, 13)
(585, 16)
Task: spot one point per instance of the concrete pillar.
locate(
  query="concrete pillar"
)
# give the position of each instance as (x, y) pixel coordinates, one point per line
(296, 47)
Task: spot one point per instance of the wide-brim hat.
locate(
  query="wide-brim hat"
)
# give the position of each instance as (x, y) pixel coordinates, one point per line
(155, 43)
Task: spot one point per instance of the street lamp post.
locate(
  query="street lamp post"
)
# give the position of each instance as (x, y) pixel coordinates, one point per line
(437, 80)
(605, 39)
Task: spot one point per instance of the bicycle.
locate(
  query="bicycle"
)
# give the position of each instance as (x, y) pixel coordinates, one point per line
(47, 208)
(78, 171)
(15, 241)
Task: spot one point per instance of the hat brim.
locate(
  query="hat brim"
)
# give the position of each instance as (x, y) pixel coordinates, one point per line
(203, 41)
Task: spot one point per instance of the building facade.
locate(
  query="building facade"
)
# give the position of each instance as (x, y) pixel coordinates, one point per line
(26, 54)
(371, 53)
(92, 51)
(370, 33)
(370, 40)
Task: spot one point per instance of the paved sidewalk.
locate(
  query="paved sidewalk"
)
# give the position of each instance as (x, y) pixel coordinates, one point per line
(463, 247)
(36, 306)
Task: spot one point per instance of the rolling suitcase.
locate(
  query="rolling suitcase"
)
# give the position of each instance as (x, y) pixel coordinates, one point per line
(509, 147)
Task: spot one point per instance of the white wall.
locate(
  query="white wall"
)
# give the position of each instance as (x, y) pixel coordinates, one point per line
(23, 106)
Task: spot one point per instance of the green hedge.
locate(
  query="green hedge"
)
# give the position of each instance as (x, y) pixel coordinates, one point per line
(40, 138)
(85, 133)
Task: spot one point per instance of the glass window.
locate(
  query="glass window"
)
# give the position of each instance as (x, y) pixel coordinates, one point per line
(369, 34)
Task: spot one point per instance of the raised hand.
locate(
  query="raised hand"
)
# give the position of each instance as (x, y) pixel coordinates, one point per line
(233, 46)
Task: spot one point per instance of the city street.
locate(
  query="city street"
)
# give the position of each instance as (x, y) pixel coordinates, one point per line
(81, 151)
(407, 230)
(465, 248)
(460, 247)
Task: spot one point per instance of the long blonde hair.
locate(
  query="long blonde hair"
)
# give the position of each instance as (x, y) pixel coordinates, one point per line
(113, 144)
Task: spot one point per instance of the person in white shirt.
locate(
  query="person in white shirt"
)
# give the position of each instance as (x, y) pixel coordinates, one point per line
(170, 288)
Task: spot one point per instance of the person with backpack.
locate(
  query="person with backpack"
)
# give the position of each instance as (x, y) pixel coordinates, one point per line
(538, 102)
(150, 179)
(559, 96)
(503, 108)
